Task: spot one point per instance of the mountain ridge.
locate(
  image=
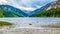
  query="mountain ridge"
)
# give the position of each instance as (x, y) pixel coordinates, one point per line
(14, 8)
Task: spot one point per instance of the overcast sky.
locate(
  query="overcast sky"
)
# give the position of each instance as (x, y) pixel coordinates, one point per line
(28, 5)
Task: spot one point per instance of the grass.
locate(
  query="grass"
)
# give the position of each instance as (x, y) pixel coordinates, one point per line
(53, 12)
(3, 23)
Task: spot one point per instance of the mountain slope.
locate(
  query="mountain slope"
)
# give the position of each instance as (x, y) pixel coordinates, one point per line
(53, 12)
(9, 11)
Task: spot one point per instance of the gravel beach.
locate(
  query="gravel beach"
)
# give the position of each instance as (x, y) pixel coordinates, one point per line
(30, 26)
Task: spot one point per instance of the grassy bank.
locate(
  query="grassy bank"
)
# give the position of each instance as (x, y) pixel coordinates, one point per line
(3, 23)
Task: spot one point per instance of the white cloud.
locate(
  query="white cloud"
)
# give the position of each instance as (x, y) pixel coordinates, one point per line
(24, 8)
(3, 1)
(27, 8)
(20, 5)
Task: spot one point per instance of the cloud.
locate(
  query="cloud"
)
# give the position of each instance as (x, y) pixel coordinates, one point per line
(3, 1)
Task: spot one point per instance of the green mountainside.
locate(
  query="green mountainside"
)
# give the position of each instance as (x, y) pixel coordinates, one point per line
(53, 12)
(8, 12)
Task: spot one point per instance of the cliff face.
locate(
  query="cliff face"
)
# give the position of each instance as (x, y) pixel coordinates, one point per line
(54, 4)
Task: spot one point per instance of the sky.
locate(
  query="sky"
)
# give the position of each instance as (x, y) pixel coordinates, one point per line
(28, 5)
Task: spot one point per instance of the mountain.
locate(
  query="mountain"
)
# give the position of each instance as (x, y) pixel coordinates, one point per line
(26, 7)
(53, 12)
(9, 11)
